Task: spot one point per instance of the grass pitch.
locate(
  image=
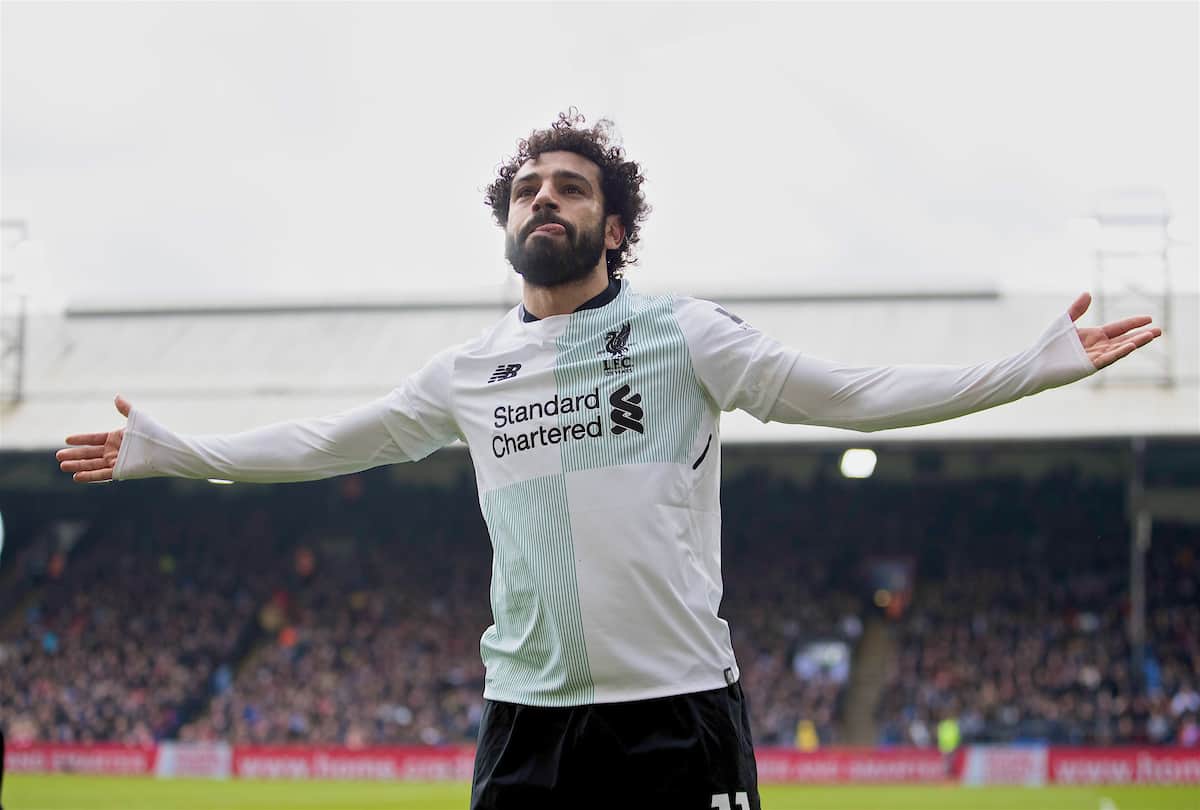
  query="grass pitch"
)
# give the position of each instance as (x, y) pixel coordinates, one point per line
(64, 792)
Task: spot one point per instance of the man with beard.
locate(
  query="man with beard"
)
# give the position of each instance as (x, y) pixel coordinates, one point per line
(592, 415)
(547, 263)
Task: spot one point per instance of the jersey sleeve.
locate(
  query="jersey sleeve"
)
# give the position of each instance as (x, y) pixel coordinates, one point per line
(869, 398)
(739, 366)
(407, 424)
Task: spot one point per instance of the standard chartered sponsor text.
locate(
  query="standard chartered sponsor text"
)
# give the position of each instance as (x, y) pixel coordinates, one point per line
(506, 443)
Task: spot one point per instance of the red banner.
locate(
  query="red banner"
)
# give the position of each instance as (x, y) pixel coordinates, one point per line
(100, 758)
(451, 763)
(981, 765)
(844, 765)
(1124, 766)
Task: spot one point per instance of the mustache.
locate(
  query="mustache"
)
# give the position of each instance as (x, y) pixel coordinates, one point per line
(545, 219)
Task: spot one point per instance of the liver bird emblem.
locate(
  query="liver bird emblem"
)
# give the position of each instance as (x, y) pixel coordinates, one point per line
(615, 342)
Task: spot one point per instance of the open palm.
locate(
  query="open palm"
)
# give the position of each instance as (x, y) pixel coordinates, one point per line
(1107, 344)
(95, 454)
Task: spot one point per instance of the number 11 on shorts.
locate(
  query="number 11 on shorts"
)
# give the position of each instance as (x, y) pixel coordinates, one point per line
(721, 801)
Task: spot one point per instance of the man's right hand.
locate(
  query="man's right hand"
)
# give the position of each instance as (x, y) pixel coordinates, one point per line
(94, 461)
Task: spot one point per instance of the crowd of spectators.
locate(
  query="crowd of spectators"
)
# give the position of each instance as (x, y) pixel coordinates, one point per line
(120, 635)
(380, 644)
(349, 612)
(344, 618)
(787, 585)
(1030, 642)
(376, 641)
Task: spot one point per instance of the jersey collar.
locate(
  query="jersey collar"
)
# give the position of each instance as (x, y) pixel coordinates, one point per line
(595, 302)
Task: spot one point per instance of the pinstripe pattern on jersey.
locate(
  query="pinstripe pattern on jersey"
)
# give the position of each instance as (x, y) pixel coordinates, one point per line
(671, 397)
(536, 647)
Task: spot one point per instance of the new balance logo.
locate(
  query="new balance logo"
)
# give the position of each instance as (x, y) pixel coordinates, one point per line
(627, 411)
(504, 372)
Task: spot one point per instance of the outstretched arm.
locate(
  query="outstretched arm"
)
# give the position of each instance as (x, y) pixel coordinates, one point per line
(820, 392)
(301, 450)
(744, 369)
(406, 425)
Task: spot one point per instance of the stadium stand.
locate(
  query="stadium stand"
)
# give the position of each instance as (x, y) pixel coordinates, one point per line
(1038, 652)
(349, 612)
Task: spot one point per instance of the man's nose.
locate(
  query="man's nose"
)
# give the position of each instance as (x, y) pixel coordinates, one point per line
(545, 198)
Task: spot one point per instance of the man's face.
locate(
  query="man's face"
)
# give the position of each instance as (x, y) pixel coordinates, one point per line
(556, 230)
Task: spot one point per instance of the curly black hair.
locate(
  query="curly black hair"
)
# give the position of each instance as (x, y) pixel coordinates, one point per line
(621, 179)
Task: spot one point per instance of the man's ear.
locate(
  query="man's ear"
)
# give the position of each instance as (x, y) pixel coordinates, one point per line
(614, 231)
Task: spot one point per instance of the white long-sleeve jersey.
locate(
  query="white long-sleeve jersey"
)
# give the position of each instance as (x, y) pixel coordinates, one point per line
(595, 441)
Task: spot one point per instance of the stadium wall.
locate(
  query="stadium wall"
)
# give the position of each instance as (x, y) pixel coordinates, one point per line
(973, 765)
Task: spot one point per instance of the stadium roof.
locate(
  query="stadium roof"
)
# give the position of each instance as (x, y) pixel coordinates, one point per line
(207, 369)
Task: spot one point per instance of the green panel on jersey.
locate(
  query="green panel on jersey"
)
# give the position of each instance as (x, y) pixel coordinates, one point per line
(635, 341)
(536, 647)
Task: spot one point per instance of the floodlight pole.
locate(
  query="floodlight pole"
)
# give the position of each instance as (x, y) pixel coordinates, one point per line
(1140, 525)
(12, 319)
(1126, 212)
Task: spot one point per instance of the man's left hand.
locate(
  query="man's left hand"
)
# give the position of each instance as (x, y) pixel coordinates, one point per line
(1106, 345)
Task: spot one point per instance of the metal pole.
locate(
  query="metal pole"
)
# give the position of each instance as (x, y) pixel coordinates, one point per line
(12, 336)
(19, 377)
(1168, 379)
(1139, 543)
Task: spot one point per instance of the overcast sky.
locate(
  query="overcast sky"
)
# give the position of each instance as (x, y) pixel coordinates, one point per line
(236, 151)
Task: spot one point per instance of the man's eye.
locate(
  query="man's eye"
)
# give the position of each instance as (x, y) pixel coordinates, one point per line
(576, 189)
(522, 192)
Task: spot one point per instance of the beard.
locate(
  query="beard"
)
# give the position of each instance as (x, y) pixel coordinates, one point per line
(551, 262)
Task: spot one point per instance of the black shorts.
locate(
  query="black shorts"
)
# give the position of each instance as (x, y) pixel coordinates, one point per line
(685, 752)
